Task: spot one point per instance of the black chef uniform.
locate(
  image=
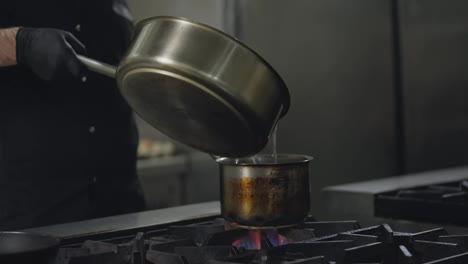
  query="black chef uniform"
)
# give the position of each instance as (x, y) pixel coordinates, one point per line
(67, 147)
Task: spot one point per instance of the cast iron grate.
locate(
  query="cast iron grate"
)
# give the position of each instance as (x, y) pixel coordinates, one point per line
(313, 242)
(445, 203)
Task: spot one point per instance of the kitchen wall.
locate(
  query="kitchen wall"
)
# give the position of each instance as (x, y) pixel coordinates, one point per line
(434, 48)
(379, 87)
(205, 11)
(336, 58)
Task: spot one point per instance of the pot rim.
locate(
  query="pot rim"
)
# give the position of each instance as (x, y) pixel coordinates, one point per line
(266, 160)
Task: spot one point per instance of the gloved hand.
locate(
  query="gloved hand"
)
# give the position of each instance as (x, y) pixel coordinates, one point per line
(49, 53)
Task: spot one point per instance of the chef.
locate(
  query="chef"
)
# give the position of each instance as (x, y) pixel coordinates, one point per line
(67, 137)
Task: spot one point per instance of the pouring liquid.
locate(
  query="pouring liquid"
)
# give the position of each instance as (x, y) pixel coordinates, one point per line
(272, 139)
(273, 143)
(270, 148)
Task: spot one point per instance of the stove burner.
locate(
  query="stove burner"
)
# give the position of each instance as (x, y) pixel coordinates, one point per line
(440, 203)
(259, 239)
(213, 242)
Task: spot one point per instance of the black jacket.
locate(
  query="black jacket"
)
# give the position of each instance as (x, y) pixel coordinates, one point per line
(67, 149)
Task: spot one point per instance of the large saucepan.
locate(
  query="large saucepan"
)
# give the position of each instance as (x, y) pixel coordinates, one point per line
(265, 191)
(199, 86)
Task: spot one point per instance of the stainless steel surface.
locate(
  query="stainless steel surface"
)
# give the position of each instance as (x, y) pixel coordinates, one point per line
(336, 57)
(265, 191)
(26, 247)
(434, 73)
(163, 181)
(177, 180)
(203, 175)
(356, 200)
(97, 66)
(201, 86)
(131, 221)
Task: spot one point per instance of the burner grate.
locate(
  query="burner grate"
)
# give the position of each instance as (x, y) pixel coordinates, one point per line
(440, 203)
(214, 242)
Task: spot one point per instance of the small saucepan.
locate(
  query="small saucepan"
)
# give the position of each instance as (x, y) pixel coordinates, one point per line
(24, 247)
(199, 86)
(265, 191)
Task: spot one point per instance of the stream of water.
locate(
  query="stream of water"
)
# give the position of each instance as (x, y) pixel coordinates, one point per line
(273, 143)
(270, 148)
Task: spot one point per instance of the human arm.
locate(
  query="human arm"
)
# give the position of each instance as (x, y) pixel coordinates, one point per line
(8, 46)
(49, 53)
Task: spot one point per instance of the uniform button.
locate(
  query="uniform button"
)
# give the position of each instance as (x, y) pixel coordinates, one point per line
(92, 129)
(84, 78)
(78, 27)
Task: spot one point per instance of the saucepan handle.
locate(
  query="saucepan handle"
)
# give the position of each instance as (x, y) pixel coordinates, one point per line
(98, 67)
(215, 157)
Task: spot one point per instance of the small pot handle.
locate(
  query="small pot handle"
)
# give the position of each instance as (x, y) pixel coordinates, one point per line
(98, 67)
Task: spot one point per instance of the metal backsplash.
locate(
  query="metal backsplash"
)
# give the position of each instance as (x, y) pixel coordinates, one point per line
(379, 88)
(336, 58)
(434, 60)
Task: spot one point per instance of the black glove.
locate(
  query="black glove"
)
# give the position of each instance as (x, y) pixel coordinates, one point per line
(49, 53)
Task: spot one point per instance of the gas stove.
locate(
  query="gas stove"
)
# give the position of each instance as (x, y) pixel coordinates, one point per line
(216, 242)
(192, 237)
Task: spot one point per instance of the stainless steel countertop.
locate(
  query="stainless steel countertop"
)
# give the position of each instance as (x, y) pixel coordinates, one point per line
(131, 221)
(356, 200)
(399, 182)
